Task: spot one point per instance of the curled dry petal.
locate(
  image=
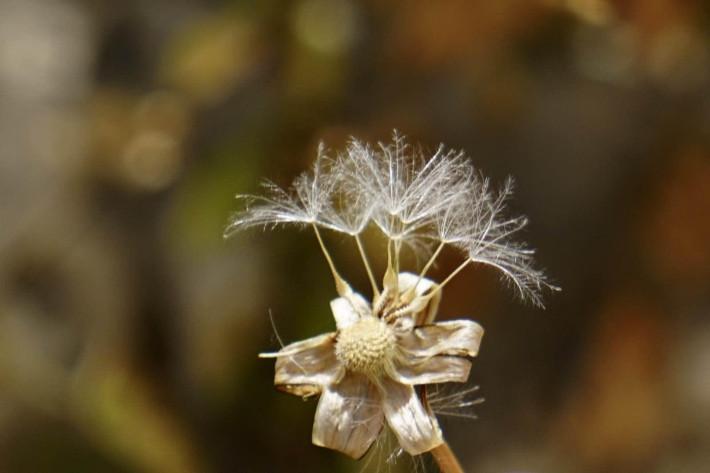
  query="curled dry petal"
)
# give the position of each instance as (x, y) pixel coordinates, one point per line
(416, 429)
(302, 368)
(424, 308)
(343, 313)
(454, 337)
(347, 312)
(349, 416)
(439, 369)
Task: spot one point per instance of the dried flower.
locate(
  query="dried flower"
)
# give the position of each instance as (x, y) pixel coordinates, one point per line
(375, 366)
(366, 370)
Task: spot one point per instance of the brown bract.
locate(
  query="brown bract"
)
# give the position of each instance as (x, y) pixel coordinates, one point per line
(367, 370)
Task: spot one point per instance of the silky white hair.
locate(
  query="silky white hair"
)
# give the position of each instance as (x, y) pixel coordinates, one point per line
(414, 200)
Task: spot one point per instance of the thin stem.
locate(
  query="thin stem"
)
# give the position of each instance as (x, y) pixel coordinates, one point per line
(368, 268)
(397, 249)
(389, 281)
(410, 293)
(446, 459)
(340, 285)
(431, 260)
(451, 276)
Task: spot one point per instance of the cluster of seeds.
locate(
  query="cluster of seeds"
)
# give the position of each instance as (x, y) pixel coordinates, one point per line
(366, 346)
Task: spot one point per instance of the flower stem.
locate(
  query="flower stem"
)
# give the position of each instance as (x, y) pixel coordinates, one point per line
(446, 459)
(443, 455)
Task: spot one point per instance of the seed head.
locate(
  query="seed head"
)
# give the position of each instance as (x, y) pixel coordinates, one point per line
(375, 368)
(366, 347)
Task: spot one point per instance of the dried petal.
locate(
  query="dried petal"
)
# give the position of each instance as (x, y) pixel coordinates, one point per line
(310, 362)
(416, 429)
(438, 369)
(301, 390)
(424, 308)
(454, 337)
(349, 416)
(344, 312)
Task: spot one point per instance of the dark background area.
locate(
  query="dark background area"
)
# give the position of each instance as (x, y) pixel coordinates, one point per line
(129, 328)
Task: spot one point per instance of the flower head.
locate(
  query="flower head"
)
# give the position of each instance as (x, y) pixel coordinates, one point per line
(366, 371)
(374, 368)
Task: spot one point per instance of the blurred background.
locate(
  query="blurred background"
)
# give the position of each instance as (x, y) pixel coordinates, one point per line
(129, 328)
